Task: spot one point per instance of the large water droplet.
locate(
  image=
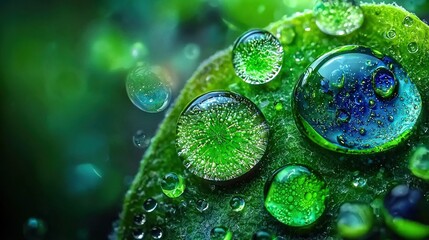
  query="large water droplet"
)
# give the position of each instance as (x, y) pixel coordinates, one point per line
(355, 220)
(308, 192)
(173, 185)
(34, 229)
(221, 136)
(419, 162)
(257, 56)
(220, 233)
(338, 17)
(237, 204)
(376, 109)
(146, 90)
(150, 205)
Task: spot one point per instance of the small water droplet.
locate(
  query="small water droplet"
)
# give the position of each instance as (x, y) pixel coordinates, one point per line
(257, 56)
(298, 56)
(34, 228)
(140, 140)
(338, 17)
(150, 205)
(138, 233)
(391, 34)
(202, 205)
(262, 235)
(156, 233)
(408, 21)
(220, 233)
(286, 34)
(237, 204)
(342, 116)
(412, 47)
(359, 182)
(140, 219)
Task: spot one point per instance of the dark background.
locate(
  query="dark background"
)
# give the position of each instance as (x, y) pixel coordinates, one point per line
(67, 154)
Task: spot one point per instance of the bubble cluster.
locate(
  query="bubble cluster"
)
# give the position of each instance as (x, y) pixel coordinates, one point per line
(365, 101)
(221, 136)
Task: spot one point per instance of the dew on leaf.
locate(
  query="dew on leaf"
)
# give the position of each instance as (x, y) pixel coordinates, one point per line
(408, 21)
(237, 204)
(412, 47)
(156, 233)
(173, 185)
(150, 205)
(140, 219)
(220, 233)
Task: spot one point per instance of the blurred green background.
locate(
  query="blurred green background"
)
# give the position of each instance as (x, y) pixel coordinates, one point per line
(67, 124)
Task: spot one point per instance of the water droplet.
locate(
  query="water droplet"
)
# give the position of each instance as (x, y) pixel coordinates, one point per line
(257, 57)
(355, 220)
(298, 56)
(406, 212)
(220, 233)
(139, 50)
(138, 233)
(140, 140)
(34, 228)
(391, 34)
(301, 183)
(262, 235)
(237, 204)
(156, 233)
(146, 90)
(419, 162)
(384, 83)
(408, 21)
(150, 205)
(359, 182)
(221, 136)
(202, 205)
(412, 47)
(371, 96)
(338, 17)
(173, 185)
(140, 219)
(191, 51)
(286, 34)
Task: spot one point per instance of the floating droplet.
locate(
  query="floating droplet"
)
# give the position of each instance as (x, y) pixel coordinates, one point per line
(286, 34)
(308, 192)
(391, 34)
(221, 136)
(355, 220)
(150, 205)
(376, 109)
(237, 204)
(140, 219)
(202, 205)
(173, 185)
(138, 233)
(156, 233)
(338, 17)
(146, 90)
(406, 212)
(220, 233)
(262, 235)
(408, 21)
(34, 229)
(257, 56)
(419, 162)
(412, 47)
(140, 140)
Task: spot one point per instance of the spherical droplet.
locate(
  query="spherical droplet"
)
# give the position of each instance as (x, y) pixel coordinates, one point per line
(221, 136)
(146, 90)
(419, 162)
(140, 219)
(391, 34)
(309, 194)
(140, 140)
(257, 56)
(262, 235)
(138, 233)
(156, 233)
(173, 185)
(376, 108)
(237, 204)
(406, 212)
(338, 17)
(202, 205)
(286, 34)
(150, 205)
(413, 47)
(408, 21)
(34, 229)
(355, 220)
(220, 233)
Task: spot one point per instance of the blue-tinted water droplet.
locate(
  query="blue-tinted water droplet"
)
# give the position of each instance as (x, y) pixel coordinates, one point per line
(384, 83)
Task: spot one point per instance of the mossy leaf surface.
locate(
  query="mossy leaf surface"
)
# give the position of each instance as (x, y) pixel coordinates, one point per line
(180, 219)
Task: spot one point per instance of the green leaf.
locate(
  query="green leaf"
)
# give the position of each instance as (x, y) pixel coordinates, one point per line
(179, 217)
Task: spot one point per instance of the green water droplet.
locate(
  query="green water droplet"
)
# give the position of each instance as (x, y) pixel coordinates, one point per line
(412, 47)
(391, 34)
(408, 21)
(150, 205)
(138, 233)
(338, 17)
(237, 204)
(202, 205)
(34, 228)
(257, 56)
(146, 90)
(380, 99)
(419, 162)
(221, 136)
(307, 208)
(286, 34)
(355, 220)
(140, 219)
(156, 233)
(173, 185)
(220, 233)
(262, 235)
